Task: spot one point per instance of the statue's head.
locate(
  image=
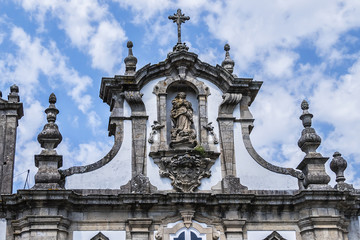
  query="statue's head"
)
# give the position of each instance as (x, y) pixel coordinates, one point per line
(181, 95)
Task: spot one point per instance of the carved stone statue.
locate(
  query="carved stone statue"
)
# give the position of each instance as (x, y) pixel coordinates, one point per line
(182, 133)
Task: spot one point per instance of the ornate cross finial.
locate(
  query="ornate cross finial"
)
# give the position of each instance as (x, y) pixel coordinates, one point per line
(179, 18)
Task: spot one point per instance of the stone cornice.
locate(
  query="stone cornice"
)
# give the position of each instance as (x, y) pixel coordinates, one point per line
(349, 201)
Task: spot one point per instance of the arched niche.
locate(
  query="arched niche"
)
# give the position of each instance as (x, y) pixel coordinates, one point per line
(197, 93)
(191, 96)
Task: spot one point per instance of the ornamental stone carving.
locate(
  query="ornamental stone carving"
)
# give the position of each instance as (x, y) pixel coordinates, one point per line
(185, 171)
(182, 132)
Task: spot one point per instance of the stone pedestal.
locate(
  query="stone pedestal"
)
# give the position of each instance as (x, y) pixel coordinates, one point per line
(313, 167)
(48, 176)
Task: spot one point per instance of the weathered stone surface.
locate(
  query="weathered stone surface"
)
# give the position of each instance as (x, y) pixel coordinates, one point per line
(231, 184)
(313, 164)
(138, 184)
(48, 161)
(10, 112)
(338, 166)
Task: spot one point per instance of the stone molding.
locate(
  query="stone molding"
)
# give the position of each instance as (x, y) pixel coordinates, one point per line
(100, 236)
(274, 236)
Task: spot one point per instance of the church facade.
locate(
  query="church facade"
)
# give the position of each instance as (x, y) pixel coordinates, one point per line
(179, 127)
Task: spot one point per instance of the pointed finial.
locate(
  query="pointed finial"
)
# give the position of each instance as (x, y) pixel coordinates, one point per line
(228, 63)
(130, 61)
(14, 94)
(309, 140)
(52, 98)
(50, 137)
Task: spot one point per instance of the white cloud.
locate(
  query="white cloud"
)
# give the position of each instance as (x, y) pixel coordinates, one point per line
(90, 26)
(336, 102)
(256, 28)
(84, 153)
(31, 59)
(24, 67)
(104, 46)
(280, 64)
(144, 9)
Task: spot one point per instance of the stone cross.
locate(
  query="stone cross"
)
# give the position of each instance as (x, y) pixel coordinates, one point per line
(179, 18)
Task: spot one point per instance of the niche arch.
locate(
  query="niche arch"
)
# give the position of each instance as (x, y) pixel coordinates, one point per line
(197, 92)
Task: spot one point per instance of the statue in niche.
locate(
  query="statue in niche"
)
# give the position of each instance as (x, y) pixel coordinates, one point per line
(182, 133)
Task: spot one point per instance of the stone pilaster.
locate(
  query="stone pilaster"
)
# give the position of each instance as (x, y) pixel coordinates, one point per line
(139, 228)
(10, 112)
(203, 121)
(234, 229)
(162, 116)
(138, 120)
(226, 128)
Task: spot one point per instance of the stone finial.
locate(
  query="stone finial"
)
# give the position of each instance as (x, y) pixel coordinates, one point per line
(48, 161)
(130, 61)
(14, 94)
(0, 94)
(338, 165)
(50, 136)
(309, 140)
(313, 164)
(228, 63)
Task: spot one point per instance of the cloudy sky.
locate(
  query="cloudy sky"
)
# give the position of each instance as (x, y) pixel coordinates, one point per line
(300, 49)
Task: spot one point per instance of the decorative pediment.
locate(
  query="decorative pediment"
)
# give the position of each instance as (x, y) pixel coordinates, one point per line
(100, 236)
(274, 236)
(182, 63)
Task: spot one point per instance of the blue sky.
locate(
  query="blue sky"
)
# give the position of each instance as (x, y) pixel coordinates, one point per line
(299, 49)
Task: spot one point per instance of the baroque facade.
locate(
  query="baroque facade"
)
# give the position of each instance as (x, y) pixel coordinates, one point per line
(186, 145)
